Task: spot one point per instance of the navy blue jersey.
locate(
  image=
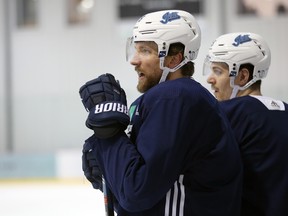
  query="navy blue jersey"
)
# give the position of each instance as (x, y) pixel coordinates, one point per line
(261, 129)
(180, 157)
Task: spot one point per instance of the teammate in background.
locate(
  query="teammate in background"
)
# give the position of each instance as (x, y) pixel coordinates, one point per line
(179, 156)
(237, 62)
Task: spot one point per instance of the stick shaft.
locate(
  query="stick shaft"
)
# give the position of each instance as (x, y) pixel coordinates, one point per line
(108, 200)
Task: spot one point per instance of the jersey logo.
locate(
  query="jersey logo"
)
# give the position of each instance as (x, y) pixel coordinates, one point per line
(274, 104)
(270, 103)
(132, 110)
(240, 39)
(168, 17)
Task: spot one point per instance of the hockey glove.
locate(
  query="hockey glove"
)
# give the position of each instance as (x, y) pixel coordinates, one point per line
(106, 102)
(90, 165)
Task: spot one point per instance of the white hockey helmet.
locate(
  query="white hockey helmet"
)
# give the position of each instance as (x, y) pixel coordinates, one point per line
(165, 28)
(240, 48)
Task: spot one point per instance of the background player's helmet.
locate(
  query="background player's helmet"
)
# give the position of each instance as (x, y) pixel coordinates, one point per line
(240, 48)
(165, 28)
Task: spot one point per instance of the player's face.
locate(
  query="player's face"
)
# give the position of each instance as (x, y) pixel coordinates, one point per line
(220, 81)
(146, 62)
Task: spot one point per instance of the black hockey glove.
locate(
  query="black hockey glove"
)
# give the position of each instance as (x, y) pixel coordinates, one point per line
(106, 102)
(90, 165)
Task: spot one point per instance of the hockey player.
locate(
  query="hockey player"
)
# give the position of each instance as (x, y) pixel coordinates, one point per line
(237, 62)
(178, 157)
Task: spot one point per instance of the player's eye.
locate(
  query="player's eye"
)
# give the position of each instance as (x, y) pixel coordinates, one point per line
(217, 71)
(145, 50)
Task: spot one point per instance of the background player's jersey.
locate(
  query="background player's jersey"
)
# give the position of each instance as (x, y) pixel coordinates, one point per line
(260, 125)
(181, 158)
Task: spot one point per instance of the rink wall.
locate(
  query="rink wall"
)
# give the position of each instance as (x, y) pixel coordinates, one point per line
(64, 164)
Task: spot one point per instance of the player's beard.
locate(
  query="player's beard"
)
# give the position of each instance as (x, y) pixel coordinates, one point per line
(147, 82)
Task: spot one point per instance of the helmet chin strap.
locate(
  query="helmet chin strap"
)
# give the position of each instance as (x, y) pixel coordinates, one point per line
(164, 74)
(236, 88)
(167, 70)
(234, 91)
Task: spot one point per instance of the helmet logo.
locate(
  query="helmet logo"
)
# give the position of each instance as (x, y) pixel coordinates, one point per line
(168, 17)
(162, 54)
(240, 39)
(233, 73)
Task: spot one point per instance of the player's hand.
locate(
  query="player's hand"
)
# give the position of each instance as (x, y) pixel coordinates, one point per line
(90, 164)
(106, 102)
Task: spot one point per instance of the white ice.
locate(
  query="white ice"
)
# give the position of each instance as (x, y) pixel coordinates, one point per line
(52, 198)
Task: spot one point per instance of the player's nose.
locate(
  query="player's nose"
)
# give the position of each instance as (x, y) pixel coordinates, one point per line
(211, 79)
(135, 60)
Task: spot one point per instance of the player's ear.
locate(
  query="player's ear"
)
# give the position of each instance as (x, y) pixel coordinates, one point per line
(173, 61)
(243, 76)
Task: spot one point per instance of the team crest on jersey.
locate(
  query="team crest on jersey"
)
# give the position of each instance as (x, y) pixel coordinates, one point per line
(240, 39)
(169, 16)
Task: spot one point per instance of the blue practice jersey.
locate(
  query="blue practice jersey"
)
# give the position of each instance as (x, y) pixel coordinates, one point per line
(180, 157)
(261, 129)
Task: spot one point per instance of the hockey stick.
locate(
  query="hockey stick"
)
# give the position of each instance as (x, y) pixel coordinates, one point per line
(108, 199)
